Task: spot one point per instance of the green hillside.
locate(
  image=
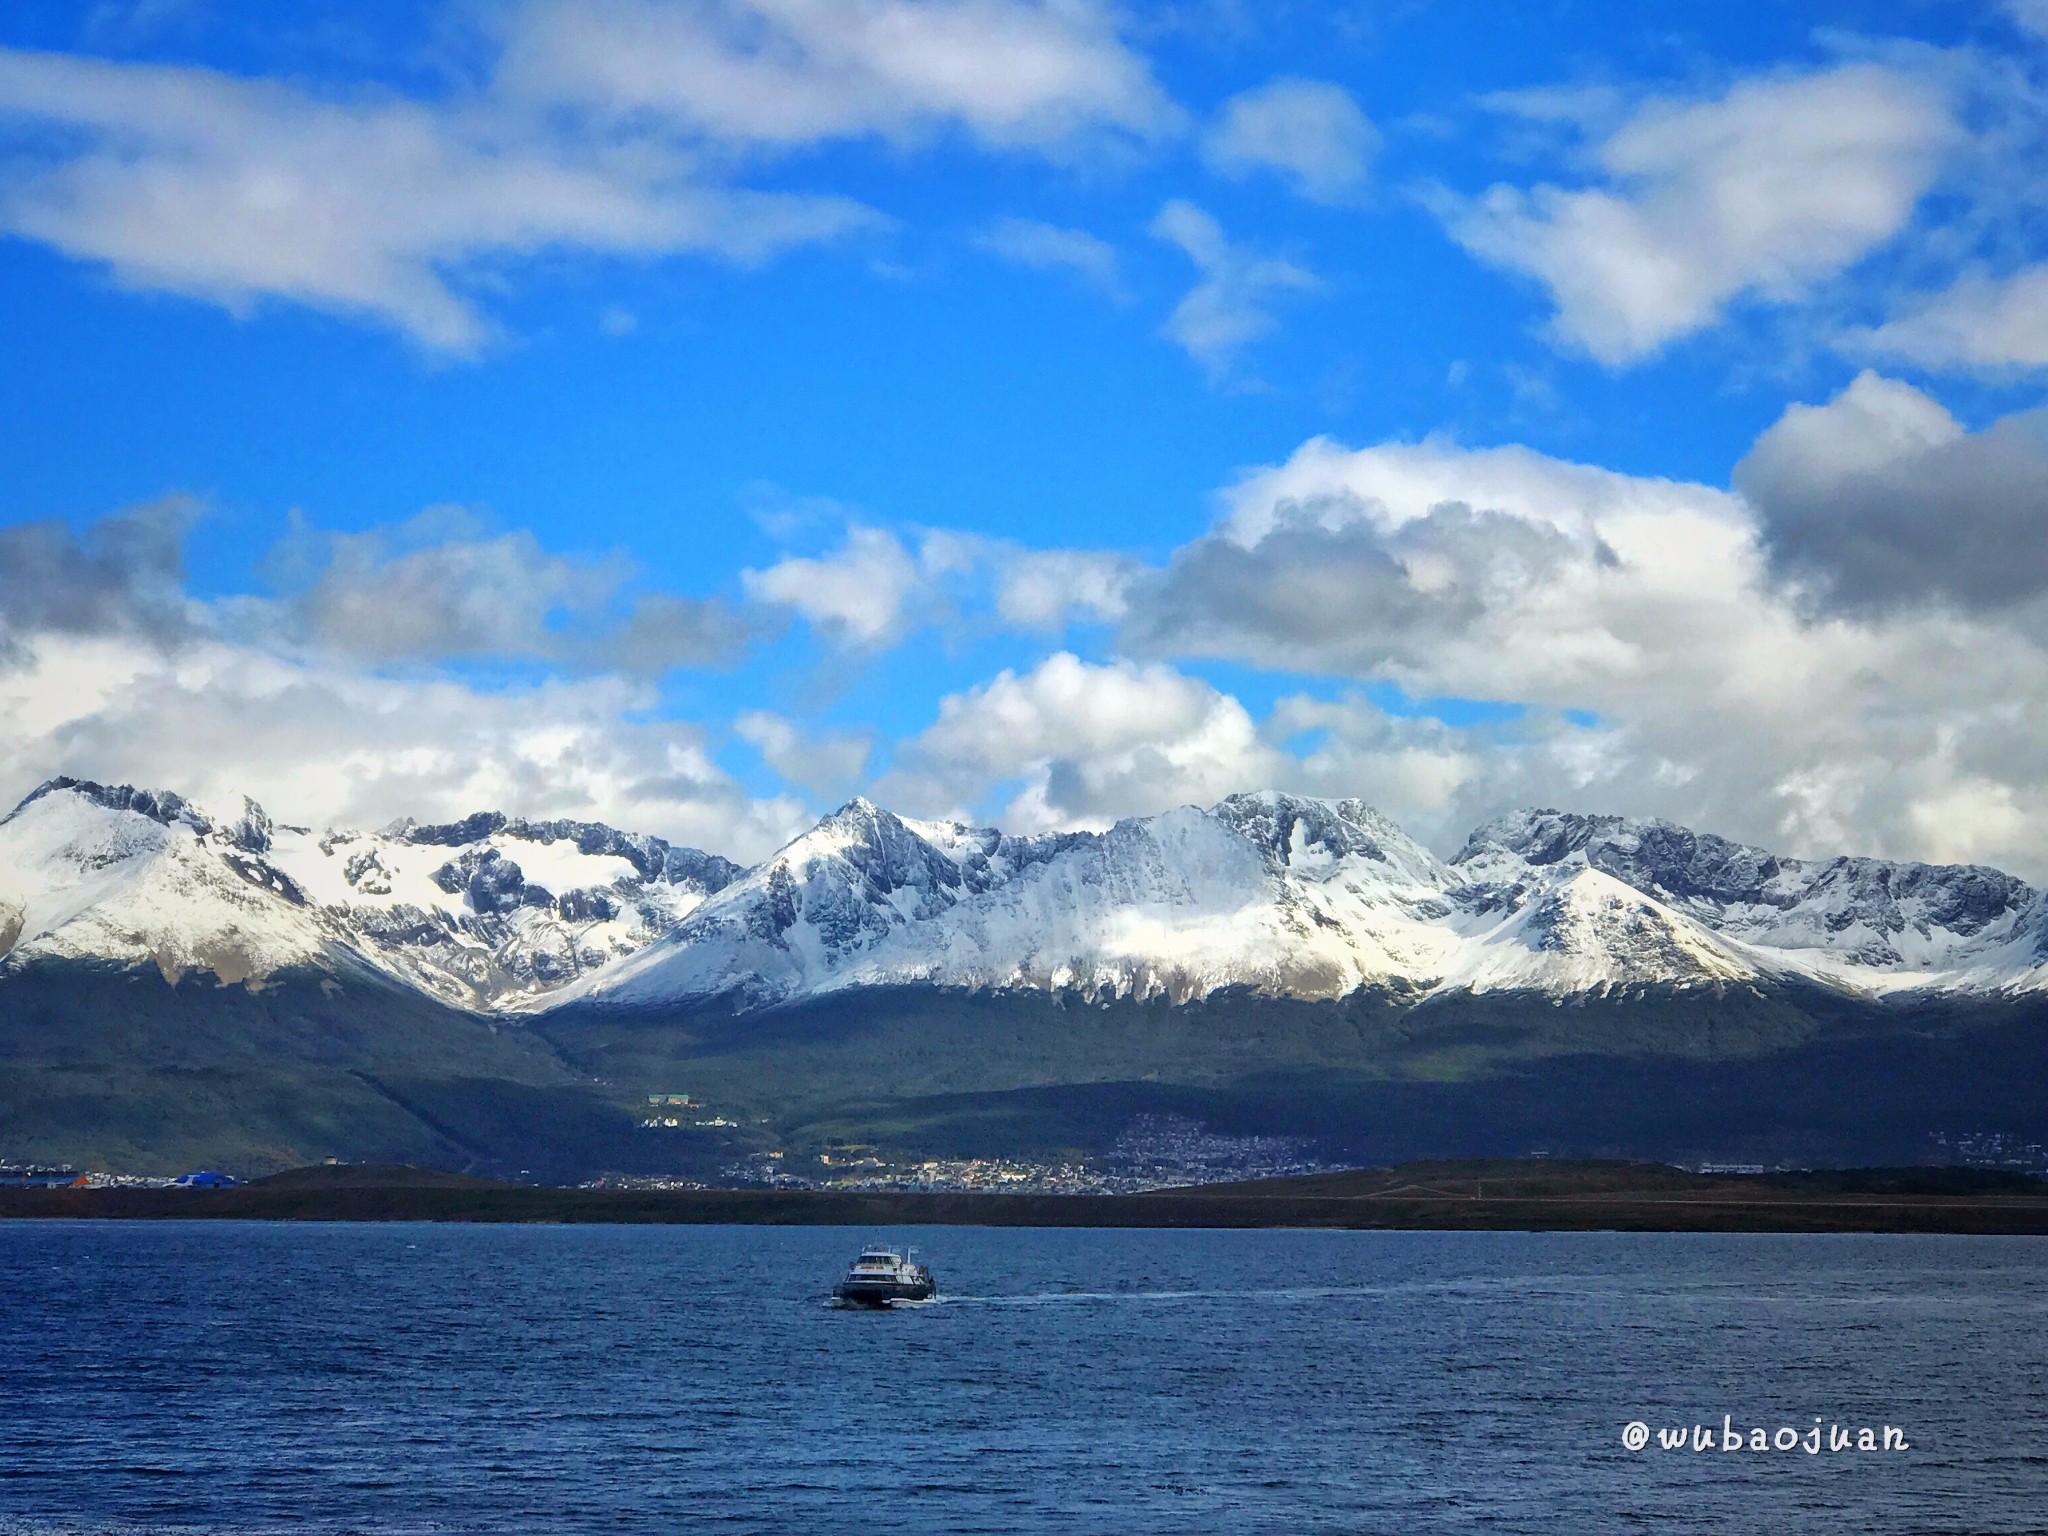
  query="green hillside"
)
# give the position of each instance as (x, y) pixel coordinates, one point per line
(108, 1068)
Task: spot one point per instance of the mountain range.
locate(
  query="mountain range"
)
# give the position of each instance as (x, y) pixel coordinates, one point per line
(878, 960)
(1279, 895)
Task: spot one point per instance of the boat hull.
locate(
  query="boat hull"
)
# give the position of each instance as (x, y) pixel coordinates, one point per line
(880, 1293)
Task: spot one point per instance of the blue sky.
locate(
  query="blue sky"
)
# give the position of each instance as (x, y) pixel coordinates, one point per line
(690, 412)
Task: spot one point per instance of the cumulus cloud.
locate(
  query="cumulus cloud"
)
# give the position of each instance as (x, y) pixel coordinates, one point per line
(1645, 629)
(1308, 132)
(1396, 483)
(1979, 324)
(1493, 573)
(323, 744)
(1071, 743)
(1013, 74)
(1641, 630)
(1429, 776)
(1360, 597)
(662, 632)
(1660, 662)
(1880, 499)
(1761, 193)
(1091, 743)
(1049, 247)
(439, 587)
(1230, 305)
(110, 669)
(861, 594)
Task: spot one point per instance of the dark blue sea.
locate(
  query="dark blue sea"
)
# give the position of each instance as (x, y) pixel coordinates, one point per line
(191, 1377)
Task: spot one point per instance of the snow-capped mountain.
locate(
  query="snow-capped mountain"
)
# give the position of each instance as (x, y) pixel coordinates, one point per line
(1299, 897)
(483, 913)
(1862, 924)
(1276, 894)
(92, 872)
(1313, 899)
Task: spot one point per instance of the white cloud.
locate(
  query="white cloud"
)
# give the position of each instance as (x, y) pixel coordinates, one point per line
(1091, 743)
(1481, 574)
(879, 584)
(1423, 773)
(825, 762)
(111, 670)
(1079, 744)
(1048, 588)
(1049, 247)
(861, 594)
(1715, 694)
(322, 744)
(1228, 307)
(1652, 605)
(1969, 821)
(1873, 424)
(1038, 74)
(1980, 324)
(124, 575)
(1658, 662)
(1397, 483)
(236, 190)
(1761, 193)
(607, 126)
(1309, 132)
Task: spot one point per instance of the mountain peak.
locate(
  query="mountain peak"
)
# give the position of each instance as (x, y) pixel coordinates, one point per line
(473, 828)
(857, 816)
(1291, 828)
(159, 805)
(1868, 911)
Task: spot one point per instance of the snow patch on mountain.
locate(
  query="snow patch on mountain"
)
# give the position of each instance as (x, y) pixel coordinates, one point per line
(1589, 932)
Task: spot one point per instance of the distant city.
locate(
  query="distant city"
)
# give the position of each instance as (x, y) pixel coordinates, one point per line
(1154, 1152)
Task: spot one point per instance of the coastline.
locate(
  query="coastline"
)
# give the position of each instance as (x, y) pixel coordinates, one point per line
(1627, 1198)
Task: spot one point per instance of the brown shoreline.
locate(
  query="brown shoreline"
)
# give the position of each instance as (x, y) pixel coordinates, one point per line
(1684, 1203)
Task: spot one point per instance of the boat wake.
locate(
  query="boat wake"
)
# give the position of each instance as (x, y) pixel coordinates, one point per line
(1059, 1298)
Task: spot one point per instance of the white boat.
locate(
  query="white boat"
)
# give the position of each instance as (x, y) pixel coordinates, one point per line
(882, 1275)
